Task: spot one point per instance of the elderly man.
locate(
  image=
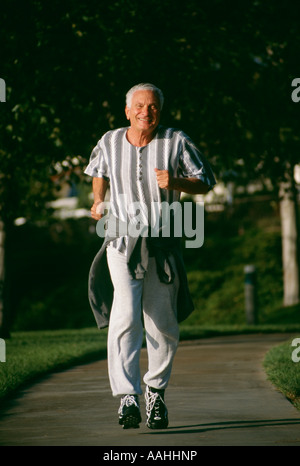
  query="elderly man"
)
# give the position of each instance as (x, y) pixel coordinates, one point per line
(144, 164)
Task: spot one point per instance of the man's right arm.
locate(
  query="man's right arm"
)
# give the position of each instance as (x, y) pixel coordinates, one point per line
(99, 190)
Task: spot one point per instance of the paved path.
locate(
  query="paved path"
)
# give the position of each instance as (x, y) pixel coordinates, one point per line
(218, 395)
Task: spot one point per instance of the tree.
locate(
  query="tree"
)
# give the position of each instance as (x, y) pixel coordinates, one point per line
(272, 125)
(226, 74)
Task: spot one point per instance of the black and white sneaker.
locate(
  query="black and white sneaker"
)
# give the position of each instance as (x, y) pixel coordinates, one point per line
(157, 413)
(129, 412)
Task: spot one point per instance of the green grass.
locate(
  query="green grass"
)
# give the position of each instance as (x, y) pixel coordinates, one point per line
(30, 355)
(194, 332)
(283, 372)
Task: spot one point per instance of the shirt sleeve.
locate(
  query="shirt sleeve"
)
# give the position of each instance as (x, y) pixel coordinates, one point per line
(193, 164)
(98, 166)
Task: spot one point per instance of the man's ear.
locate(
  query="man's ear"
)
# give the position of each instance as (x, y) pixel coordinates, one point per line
(127, 110)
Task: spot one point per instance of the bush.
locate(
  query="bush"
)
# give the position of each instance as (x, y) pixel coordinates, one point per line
(50, 273)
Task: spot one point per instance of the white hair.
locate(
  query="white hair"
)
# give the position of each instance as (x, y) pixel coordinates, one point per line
(144, 87)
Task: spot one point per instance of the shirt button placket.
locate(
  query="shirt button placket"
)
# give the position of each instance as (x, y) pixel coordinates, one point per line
(140, 165)
(140, 184)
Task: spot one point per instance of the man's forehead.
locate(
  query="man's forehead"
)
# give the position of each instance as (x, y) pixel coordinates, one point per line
(144, 95)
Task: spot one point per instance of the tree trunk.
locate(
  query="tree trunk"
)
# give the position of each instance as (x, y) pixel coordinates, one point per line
(288, 214)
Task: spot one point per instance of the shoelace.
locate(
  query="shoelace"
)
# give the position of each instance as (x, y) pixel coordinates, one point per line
(153, 401)
(128, 400)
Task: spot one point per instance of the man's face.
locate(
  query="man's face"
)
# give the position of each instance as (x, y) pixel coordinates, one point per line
(144, 113)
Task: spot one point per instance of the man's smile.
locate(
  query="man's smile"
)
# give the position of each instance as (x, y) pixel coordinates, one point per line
(144, 115)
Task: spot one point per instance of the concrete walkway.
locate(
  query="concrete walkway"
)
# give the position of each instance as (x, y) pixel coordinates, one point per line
(218, 395)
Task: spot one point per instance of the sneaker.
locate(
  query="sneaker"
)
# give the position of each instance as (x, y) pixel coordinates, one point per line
(129, 412)
(157, 413)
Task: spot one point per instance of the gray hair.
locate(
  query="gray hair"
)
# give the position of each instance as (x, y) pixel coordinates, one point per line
(144, 87)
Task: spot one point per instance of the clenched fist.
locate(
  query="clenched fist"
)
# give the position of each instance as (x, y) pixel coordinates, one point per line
(164, 179)
(97, 210)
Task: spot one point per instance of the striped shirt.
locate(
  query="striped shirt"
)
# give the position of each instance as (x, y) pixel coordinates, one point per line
(130, 171)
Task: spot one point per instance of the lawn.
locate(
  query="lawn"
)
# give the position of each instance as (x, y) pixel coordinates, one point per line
(282, 365)
(30, 355)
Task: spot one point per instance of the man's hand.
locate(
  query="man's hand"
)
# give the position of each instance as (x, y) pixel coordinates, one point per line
(97, 210)
(164, 179)
(99, 189)
(186, 185)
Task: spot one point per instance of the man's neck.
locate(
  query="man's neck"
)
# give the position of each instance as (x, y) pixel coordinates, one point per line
(139, 139)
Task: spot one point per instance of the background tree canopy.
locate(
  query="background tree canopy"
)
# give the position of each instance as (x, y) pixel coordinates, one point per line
(225, 68)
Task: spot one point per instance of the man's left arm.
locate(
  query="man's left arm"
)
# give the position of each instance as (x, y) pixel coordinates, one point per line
(187, 185)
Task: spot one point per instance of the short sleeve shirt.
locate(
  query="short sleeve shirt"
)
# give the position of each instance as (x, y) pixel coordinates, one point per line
(131, 174)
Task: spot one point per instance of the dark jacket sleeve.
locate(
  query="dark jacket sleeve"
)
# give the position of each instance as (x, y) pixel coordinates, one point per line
(100, 288)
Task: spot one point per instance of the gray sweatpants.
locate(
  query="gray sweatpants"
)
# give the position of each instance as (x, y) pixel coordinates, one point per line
(153, 301)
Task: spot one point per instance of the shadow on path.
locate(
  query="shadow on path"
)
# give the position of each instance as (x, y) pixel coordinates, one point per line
(224, 425)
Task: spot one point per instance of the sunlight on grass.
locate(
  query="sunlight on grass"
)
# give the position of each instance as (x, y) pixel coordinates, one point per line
(32, 354)
(283, 372)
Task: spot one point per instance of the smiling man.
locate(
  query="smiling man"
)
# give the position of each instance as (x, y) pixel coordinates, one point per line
(144, 116)
(140, 283)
